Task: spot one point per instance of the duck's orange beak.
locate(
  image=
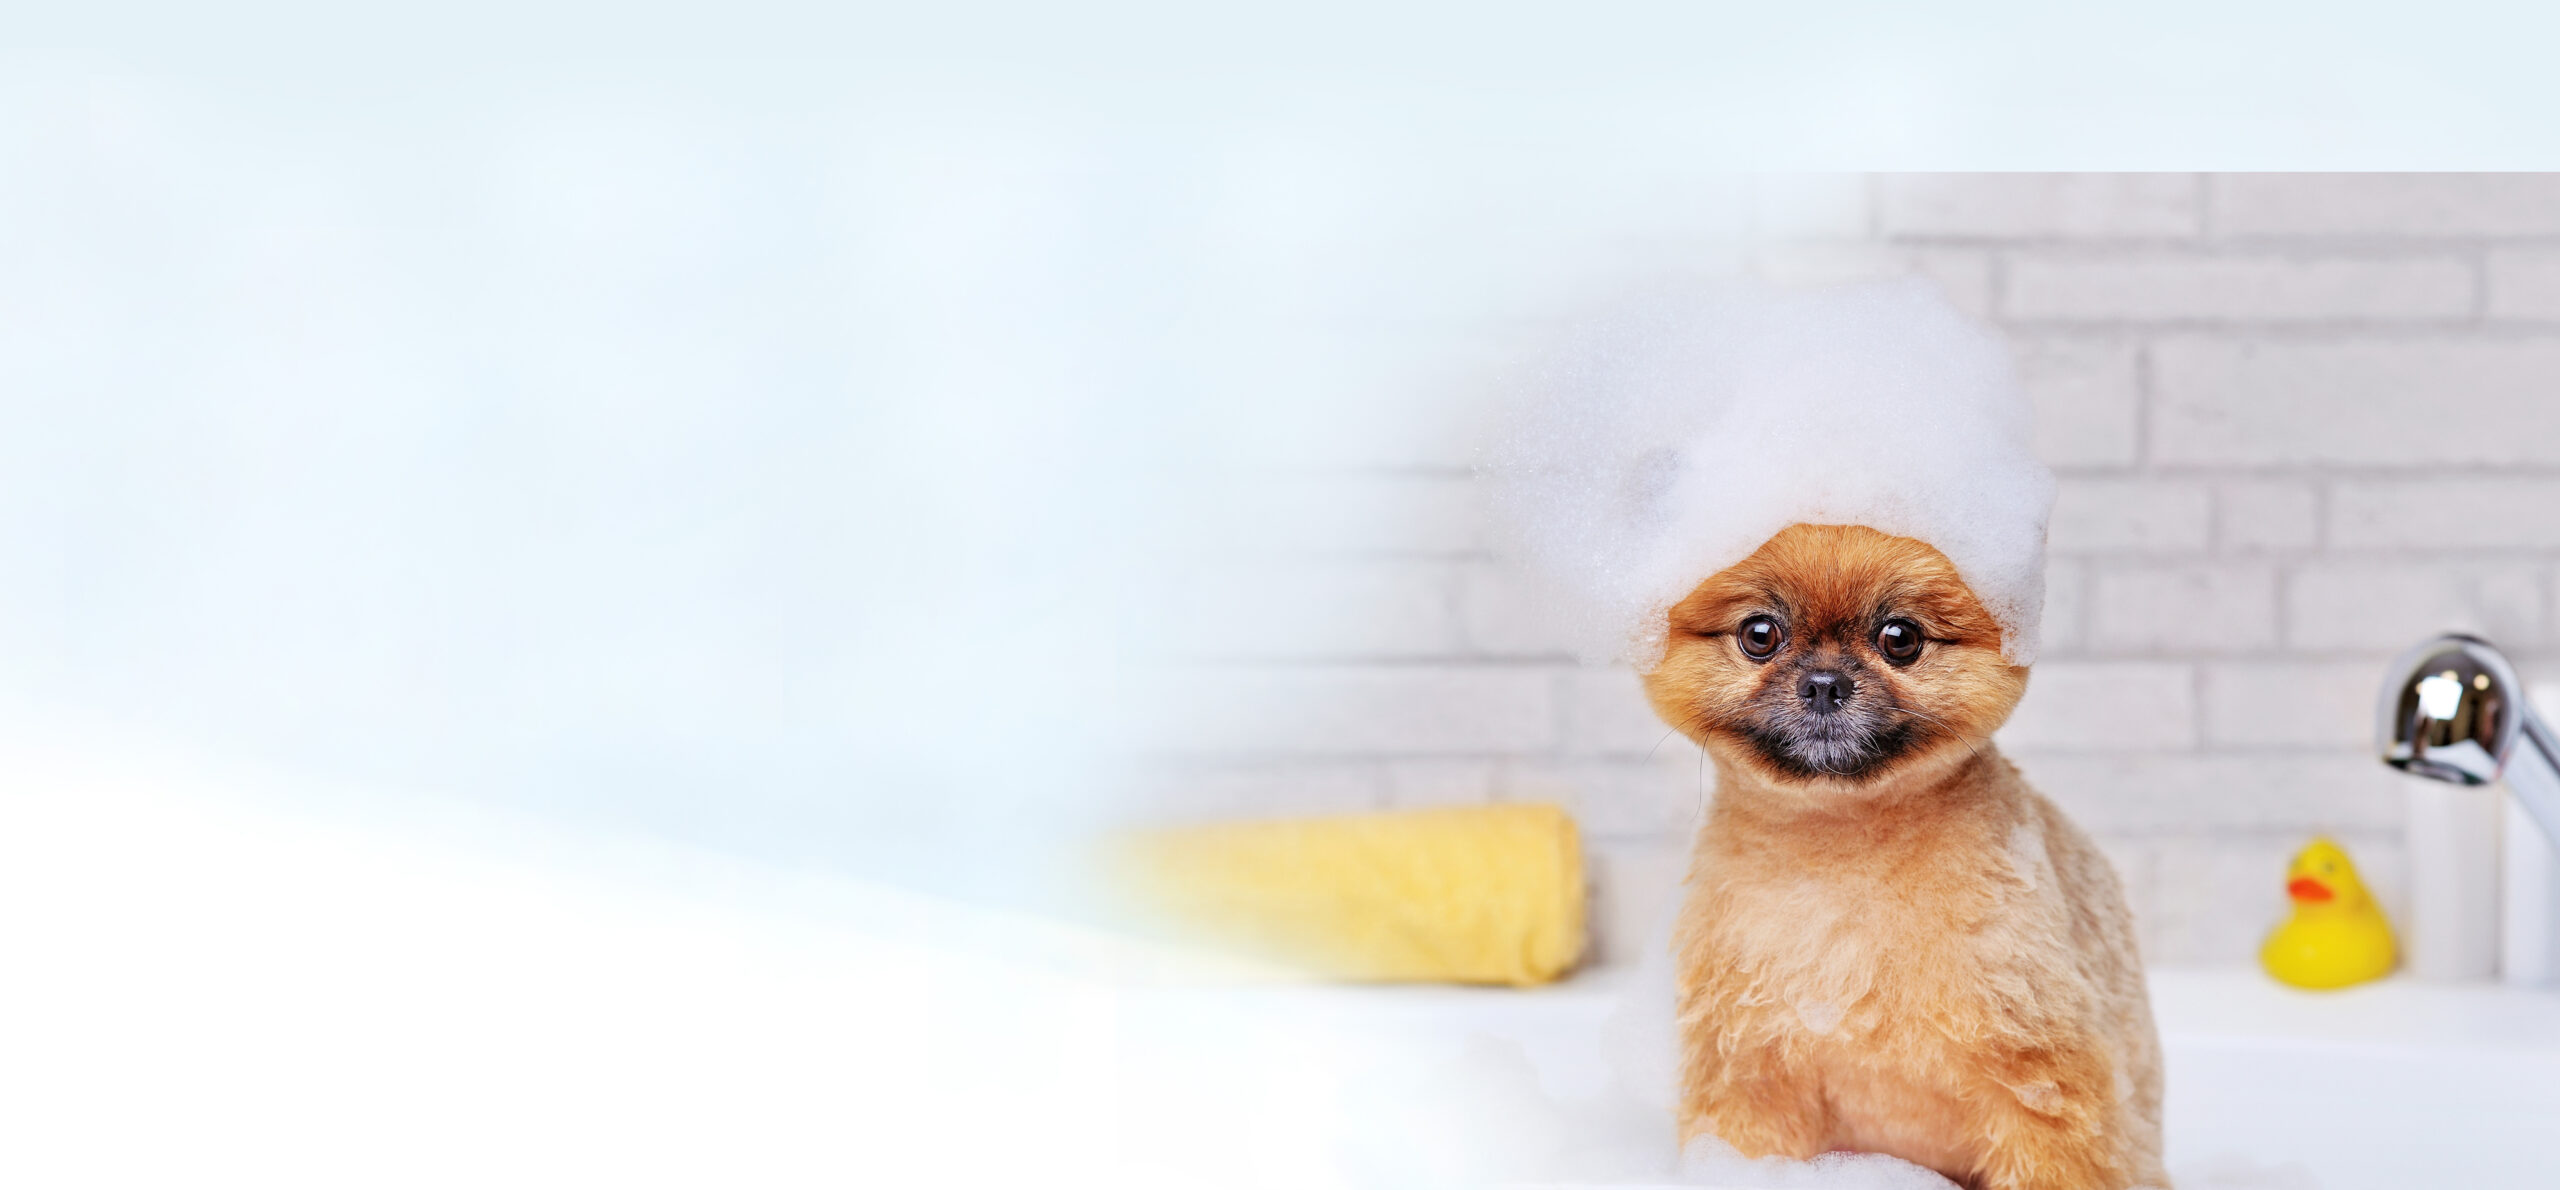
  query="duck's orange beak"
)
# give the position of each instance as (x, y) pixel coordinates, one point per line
(2304, 888)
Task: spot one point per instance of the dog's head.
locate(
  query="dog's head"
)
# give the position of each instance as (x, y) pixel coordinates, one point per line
(1836, 655)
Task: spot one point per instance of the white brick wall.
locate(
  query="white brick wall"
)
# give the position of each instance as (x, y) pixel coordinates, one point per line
(2114, 515)
(2377, 399)
(2088, 398)
(2289, 704)
(2524, 284)
(2299, 422)
(2105, 704)
(2183, 606)
(2445, 513)
(2383, 208)
(2254, 516)
(2350, 606)
(2154, 286)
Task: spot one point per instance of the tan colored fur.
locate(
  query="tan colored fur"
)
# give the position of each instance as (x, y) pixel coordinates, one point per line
(1925, 960)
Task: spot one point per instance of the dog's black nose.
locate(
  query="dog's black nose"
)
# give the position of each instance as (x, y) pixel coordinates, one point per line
(1824, 690)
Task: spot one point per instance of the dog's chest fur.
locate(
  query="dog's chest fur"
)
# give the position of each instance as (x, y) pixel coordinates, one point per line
(1868, 948)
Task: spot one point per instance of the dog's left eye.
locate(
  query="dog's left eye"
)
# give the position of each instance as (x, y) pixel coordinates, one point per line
(1899, 641)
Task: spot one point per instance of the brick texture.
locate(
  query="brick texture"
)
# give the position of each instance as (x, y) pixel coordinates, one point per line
(2299, 422)
(2385, 206)
(2382, 401)
(2105, 705)
(2131, 516)
(2167, 791)
(2183, 607)
(2088, 399)
(2446, 513)
(2153, 287)
(2266, 515)
(2524, 284)
(2290, 704)
(2380, 606)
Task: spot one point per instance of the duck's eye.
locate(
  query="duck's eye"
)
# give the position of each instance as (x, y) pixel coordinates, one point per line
(1899, 641)
(1760, 637)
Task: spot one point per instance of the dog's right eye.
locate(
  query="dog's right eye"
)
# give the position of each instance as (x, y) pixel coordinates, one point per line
(1760, 637)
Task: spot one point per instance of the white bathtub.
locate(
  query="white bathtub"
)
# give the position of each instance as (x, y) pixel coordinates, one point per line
(207, 990)
(2398, 1085)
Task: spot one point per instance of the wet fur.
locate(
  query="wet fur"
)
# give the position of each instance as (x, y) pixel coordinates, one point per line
(1890, 943)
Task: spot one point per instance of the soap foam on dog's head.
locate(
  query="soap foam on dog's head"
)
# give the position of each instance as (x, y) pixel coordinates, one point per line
(1668, 439)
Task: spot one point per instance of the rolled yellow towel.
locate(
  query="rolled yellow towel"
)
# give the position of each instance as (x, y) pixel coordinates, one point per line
(1479, 894)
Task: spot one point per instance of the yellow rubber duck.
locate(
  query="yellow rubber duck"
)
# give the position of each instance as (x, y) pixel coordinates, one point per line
(2337, 936)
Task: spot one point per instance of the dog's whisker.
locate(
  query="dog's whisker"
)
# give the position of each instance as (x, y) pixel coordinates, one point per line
(1695, 727)
(1942, 727)
(1657, 744)
(1701, 810)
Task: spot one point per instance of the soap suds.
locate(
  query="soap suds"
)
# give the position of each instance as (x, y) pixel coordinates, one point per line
(1666, 439)
(1709, 1161)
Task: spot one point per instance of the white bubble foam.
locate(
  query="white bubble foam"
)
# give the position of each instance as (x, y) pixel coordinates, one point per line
(1670, 436)
(1712, 1162)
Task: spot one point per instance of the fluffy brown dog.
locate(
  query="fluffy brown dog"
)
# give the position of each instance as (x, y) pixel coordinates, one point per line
(1890, 943)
